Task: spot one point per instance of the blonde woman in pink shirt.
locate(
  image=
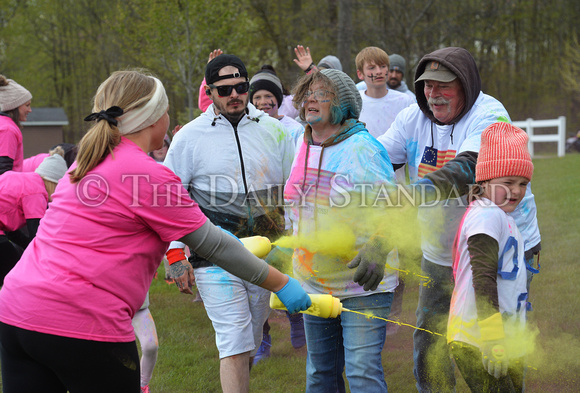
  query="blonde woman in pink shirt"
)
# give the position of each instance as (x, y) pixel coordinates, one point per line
(66, 308)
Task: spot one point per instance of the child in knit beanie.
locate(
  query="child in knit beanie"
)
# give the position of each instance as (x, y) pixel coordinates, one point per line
(486, 329)
(267, 94)
(268, 81)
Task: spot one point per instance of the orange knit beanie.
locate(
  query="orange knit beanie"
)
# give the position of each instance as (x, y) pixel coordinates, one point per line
(503, 152)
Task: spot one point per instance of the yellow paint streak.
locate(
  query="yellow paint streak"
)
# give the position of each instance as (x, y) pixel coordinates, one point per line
(389, 320)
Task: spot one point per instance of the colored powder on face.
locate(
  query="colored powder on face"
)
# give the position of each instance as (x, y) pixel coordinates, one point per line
(313, 119)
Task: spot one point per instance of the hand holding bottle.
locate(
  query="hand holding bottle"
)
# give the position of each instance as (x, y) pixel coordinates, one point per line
(295, 299)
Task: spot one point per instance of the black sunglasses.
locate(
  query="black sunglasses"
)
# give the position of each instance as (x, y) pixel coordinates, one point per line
(226, 90)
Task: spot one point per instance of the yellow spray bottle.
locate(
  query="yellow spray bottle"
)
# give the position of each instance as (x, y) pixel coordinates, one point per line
(260, 246)
(323, 305)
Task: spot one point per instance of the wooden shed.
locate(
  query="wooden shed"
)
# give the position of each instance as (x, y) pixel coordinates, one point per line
(42, 130)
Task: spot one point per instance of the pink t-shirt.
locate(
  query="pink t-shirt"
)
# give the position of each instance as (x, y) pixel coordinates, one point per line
(11, 142)
(31, 163)
(91, 263)
(22, 196)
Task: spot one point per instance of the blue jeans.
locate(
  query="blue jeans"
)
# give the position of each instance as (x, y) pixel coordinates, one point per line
(434, 370)
(352, 341)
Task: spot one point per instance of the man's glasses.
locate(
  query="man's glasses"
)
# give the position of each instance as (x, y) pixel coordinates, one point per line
(226, 90)
(317, 94)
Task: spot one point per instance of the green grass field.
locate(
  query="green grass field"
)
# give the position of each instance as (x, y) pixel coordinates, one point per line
(188, 359)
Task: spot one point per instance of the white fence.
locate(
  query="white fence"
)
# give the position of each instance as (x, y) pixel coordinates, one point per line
(529, 125)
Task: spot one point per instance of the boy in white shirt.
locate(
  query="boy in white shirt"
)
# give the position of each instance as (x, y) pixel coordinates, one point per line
(380, 104)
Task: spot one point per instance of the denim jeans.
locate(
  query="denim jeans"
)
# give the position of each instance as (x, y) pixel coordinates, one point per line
(434, 370)
(351, 342)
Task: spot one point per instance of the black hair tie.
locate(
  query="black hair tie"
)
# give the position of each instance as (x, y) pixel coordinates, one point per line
(109, 115)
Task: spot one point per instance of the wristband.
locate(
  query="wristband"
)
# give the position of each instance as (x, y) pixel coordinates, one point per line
(175, 255)
(309, 68)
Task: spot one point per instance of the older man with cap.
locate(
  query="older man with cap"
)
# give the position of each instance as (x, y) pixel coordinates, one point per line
(439, 139)
(233, 159)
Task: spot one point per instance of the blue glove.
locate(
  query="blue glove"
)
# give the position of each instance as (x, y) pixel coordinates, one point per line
(294, 297)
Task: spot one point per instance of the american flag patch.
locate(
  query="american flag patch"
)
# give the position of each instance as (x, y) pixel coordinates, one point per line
(434, 159)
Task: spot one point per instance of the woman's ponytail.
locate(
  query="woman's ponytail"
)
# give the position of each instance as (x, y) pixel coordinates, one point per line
(94, 147)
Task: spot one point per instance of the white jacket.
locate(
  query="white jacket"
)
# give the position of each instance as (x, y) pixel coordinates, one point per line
(235, 174)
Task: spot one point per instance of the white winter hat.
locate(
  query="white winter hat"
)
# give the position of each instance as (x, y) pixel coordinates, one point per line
(12, 95)
(52, 168)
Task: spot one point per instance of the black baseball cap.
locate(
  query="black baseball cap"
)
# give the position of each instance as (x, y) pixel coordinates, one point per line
(213, 68)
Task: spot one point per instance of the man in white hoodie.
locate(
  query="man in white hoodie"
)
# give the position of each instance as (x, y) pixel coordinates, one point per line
(234, 160)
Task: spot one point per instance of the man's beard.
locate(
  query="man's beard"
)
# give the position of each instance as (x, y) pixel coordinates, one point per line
(393, 83)
(233, 116)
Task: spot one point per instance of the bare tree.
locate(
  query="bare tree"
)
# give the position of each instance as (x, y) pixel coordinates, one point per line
(344, 36)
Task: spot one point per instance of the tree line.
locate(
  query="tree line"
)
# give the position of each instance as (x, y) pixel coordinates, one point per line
(527, 51)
